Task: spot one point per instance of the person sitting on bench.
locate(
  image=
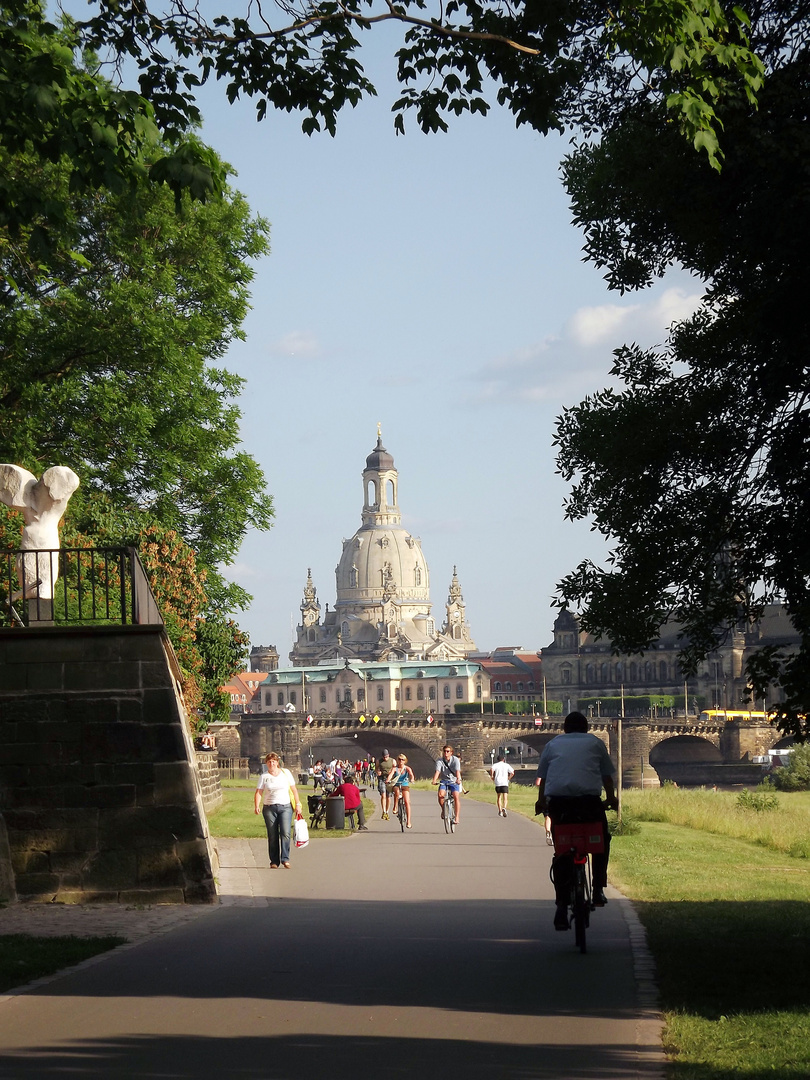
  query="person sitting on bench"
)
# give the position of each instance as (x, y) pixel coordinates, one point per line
(354, 803)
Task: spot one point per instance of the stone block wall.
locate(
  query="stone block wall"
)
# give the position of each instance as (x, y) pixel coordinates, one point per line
(99, 788)
(208, 772)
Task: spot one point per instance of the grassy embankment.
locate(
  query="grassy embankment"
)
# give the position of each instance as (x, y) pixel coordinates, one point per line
(724, 895)
(236, 818)
(24, 958)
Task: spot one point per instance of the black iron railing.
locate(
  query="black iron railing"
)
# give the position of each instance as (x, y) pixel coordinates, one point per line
(77, 586)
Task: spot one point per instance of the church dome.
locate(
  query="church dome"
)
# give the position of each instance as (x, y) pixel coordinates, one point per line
(381, 562)
(379, 458)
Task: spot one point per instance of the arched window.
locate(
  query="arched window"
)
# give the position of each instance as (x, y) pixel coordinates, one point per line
(390, 494)
(407, 693)
(380, 694)
(280, 698)
(478, 690)
(446, 690)
(619, 672)
(457, 631)
(662, 671)
(633, 673)
(566, 674)
(344, 629)
(648, 671)
(323, 696)
(497, 686)
(507, 686)
(604, 673)
(417, 575)
(311, 634)
(432, 693)
(420, 693)
(353, 577)
(590, 673)
(520, 686)
(293, 697)
(371, 494)
(460, 691)
(361, 694)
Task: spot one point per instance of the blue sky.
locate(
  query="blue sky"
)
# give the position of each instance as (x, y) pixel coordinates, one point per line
(436, 285)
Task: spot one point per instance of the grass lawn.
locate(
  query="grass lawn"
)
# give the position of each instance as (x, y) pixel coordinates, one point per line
(724, 895)
(24, 958)
(236, 817)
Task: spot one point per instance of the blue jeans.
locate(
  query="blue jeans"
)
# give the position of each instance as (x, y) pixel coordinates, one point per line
(278, 820)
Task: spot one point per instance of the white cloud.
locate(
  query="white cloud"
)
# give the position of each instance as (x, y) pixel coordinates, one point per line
(597, 325)
(298, 344)
(563, 368)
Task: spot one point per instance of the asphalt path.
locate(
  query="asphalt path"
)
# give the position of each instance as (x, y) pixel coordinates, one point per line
(411, 954)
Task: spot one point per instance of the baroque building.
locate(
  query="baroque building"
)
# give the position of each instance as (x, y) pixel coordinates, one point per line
(383, 610)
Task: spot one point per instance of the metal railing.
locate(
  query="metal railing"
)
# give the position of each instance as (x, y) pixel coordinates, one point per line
(75, 586)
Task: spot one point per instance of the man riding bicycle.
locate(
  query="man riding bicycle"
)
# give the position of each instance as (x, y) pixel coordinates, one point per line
(573, 769)
(448, 777)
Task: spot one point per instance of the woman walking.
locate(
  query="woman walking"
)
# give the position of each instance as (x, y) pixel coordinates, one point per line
(276, 794)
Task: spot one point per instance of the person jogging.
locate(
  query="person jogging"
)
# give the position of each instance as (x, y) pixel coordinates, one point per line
(501, 772)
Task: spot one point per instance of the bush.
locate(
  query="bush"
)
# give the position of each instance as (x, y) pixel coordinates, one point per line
(757, 800)
(795, 776)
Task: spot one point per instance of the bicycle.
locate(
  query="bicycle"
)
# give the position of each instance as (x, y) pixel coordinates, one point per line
(580, 840)
(449, 812)
(402, 814)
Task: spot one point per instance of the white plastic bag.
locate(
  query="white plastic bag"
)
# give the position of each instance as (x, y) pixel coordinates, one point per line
(301, 832)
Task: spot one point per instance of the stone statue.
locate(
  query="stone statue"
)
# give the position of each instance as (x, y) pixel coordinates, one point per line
(43, 502)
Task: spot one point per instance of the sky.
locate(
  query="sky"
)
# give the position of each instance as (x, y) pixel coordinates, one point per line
(433, 284)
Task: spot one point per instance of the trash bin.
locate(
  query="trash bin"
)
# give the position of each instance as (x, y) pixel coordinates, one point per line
(303, 778)
(335, 812)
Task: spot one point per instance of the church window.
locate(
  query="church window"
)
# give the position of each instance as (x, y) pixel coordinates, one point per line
(420, 693)
(371, 495)
(268, 700)
(311, 634)
(478, 690)
(432, 692)
(390, 494)
(293, 697)
(590, 673)
(361, 694)
(323, 696)
(633, 673)
(380, 694)
(345, 628)
(392, 629)
(507, 686)
(648, 671)
(619, 672)
(353, 577)
(417, 575)
(456, 631)
(407, 693)
(566, 674)
(446, 690)
(280, 697)
(604, 673)
(520, 686)
(662, 671)
(497, 686)
(460, 691)
(347, 693)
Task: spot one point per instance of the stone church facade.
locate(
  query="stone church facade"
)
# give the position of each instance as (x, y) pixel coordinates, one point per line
(383, 610)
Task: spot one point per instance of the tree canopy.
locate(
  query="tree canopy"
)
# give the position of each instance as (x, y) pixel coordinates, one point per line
(551, 63)
(696, 466)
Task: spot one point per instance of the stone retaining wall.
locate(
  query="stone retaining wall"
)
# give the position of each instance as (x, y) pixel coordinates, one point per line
(98, 782)
(208, 772)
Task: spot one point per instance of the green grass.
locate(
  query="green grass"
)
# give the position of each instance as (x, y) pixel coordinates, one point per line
(724, 895)
(24, 958)
(235, 818)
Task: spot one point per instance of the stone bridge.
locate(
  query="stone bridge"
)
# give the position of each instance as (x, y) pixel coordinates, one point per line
(683, 749)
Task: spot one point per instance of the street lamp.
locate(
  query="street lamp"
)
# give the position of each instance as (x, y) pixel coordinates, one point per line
(598, 708)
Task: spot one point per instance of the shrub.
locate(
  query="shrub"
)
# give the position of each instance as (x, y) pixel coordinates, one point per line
(757, 800)
(795, 776)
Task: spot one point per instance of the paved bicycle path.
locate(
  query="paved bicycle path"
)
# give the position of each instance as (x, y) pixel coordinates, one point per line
(413, 955)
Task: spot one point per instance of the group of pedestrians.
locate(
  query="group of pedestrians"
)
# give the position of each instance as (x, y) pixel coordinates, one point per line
(329, 776)
(574, 768)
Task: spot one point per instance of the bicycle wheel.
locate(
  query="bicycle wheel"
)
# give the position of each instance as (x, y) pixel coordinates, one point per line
(580, 906)
(401, 813)
(447, 813)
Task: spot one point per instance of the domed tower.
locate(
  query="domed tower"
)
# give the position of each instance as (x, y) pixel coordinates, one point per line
(383, 608)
